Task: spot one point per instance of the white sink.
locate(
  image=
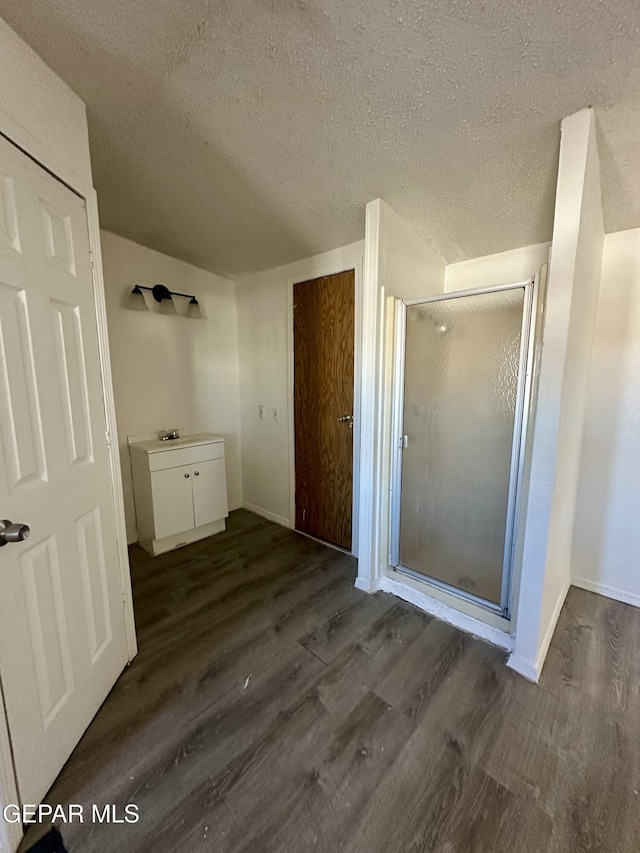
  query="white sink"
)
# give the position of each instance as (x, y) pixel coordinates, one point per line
(157, 445)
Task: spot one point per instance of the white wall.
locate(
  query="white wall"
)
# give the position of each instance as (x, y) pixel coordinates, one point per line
(606, 541)
(265, 345)
(502, 268)
(262, 340)
(397, 264)
(40, 112)
(170, 370)
(574, 275)
(407, 267)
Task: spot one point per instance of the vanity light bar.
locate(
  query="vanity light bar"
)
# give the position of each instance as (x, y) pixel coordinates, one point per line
(160, 292)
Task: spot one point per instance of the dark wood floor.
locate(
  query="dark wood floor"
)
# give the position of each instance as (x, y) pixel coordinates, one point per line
(274, 707)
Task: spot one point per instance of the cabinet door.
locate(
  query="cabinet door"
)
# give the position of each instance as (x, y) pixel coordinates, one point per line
(172, 497)
(209, 491)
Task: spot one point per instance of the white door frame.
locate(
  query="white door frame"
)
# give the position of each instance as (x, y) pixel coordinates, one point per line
(38, 150)
(331, 263)
(372, 323)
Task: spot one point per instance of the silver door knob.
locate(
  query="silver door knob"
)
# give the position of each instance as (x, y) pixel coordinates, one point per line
(197, 473)
(10, 532)
(346, 419)
(187, 476)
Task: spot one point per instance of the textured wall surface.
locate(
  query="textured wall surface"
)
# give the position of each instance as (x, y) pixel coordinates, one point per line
(170, 370)
(243, 135)
(265, 346)
(607, 528)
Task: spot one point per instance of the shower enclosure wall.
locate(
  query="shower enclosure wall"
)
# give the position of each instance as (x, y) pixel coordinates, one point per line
(461, 387)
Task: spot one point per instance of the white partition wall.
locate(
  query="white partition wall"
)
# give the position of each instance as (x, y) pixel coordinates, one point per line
(572, 292)
(397, 264)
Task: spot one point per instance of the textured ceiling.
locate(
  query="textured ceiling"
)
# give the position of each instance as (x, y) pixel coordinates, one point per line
(244, 134)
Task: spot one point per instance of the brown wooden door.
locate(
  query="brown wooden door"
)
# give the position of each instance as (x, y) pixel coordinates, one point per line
(323, 333)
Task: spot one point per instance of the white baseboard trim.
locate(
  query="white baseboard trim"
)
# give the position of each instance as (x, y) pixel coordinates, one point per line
(532, 670)
(265, 513)
(524, 667)
(365, 585)
(447, 614)
(608, 591)
(551, 627)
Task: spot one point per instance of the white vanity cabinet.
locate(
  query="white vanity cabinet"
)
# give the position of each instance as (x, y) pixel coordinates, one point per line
(180, 490)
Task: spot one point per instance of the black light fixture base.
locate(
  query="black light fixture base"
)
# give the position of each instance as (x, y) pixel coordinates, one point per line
(161, 292)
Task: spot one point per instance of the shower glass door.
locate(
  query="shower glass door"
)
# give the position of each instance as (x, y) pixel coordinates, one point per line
(461, 365)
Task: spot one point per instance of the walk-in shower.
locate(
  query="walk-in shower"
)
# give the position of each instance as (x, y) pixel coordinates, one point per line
(462, 368)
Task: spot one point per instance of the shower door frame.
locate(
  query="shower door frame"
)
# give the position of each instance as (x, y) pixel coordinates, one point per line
(518, 445)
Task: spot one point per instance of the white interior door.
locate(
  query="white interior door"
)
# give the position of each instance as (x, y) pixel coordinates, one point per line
(62, 628)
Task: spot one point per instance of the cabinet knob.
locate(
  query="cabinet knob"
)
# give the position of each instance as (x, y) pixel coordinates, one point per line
(197, 473)
(186, 475)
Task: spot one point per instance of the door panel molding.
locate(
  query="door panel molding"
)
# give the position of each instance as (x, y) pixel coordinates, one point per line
(71, 364)
(8, 214)
(40, 574)
(25, 439)
(94, 582)
(58, 238)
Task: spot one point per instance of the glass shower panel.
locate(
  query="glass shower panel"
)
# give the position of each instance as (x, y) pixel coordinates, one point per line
(460, 390)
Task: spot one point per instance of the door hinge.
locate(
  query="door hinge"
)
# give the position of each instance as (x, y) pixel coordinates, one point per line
(108, 435)
(91, 259)
(124, 599)
(403, 442)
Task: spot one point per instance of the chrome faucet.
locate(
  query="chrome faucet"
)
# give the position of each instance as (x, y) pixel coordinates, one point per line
(171, 435)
